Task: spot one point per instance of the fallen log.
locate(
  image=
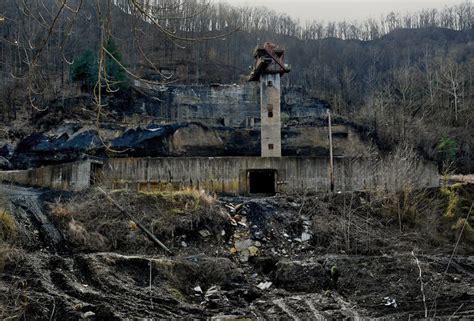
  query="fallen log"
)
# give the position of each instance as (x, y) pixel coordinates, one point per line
(136, 221)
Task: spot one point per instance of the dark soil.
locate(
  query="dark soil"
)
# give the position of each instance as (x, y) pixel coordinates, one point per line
(286, 257)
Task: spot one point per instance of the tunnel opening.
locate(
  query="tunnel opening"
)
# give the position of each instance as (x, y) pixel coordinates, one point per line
(95, 173)
(262, 181)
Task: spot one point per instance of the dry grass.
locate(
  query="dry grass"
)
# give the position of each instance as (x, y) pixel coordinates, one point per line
(8, 234)
(192, 199)
(92, 223)
(376, 222)
(8, 228)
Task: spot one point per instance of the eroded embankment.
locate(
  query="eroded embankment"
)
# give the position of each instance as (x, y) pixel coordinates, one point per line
(293, 257)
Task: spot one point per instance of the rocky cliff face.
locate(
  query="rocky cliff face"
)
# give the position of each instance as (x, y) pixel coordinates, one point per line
(184, 139)
(229, 105)
(180, 121)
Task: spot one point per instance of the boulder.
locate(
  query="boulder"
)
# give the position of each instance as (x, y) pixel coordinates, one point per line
(301, 276)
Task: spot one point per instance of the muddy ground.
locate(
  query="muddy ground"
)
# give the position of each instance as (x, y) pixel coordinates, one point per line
(74, 256)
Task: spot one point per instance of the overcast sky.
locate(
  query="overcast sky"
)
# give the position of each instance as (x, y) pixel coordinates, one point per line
(343, 9)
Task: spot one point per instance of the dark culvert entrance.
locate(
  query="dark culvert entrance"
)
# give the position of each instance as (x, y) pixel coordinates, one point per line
(95, 174)
(262, 181)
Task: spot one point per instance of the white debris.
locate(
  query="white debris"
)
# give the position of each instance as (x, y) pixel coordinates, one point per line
(198, 289)
(264, 285)
(294, 204)
(89, 314)
(211, 291)
(241, 245)
(390, 302)
(242, 224)
(244, 255)
(231, 207)
(305, 237)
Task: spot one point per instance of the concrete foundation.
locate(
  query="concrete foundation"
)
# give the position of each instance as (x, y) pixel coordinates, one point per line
(230, 175)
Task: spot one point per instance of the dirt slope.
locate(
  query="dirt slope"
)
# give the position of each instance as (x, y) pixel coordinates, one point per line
(260, 258)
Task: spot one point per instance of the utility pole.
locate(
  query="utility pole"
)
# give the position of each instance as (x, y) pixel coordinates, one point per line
(331, 158)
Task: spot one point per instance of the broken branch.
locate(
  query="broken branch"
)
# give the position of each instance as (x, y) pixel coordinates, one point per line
(135, 220)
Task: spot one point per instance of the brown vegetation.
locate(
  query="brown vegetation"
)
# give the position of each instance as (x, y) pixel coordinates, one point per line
(367, 237)
(8, 233)
(93, 223)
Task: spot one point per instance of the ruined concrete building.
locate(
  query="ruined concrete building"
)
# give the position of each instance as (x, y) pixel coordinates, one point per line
(236, 106)
(269, 67)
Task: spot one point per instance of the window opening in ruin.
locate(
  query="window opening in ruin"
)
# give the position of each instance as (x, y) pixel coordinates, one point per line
(270, 83)
(270, 110)
(342, 135)
(262, 181)
(95, 173)
(270, 146)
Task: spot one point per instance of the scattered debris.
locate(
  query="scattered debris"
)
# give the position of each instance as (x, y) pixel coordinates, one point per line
(268, 276)
(213, 290)
(264, 285)
(390, 302)
(305, 237)
(242, 245)
(253, 251)
(205, 233)
(89, 314)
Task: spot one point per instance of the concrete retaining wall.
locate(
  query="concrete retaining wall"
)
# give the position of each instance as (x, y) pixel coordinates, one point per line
(218, 174)
(229, 174)
(69, 177)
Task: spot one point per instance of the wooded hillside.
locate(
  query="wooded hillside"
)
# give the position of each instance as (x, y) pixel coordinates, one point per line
(409, 78)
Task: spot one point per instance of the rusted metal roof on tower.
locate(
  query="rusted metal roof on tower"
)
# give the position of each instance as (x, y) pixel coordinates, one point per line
(269, 59)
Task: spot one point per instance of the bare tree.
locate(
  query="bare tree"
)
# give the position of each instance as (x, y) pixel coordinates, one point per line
(450, 81)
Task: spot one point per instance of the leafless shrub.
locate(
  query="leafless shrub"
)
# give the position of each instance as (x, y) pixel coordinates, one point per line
(402, 169)
(375, 222)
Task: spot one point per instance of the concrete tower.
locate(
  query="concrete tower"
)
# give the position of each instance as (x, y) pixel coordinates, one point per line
(268, 69)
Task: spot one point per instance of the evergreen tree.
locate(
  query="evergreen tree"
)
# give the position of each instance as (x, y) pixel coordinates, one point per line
(115, 72)
(84, 70)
